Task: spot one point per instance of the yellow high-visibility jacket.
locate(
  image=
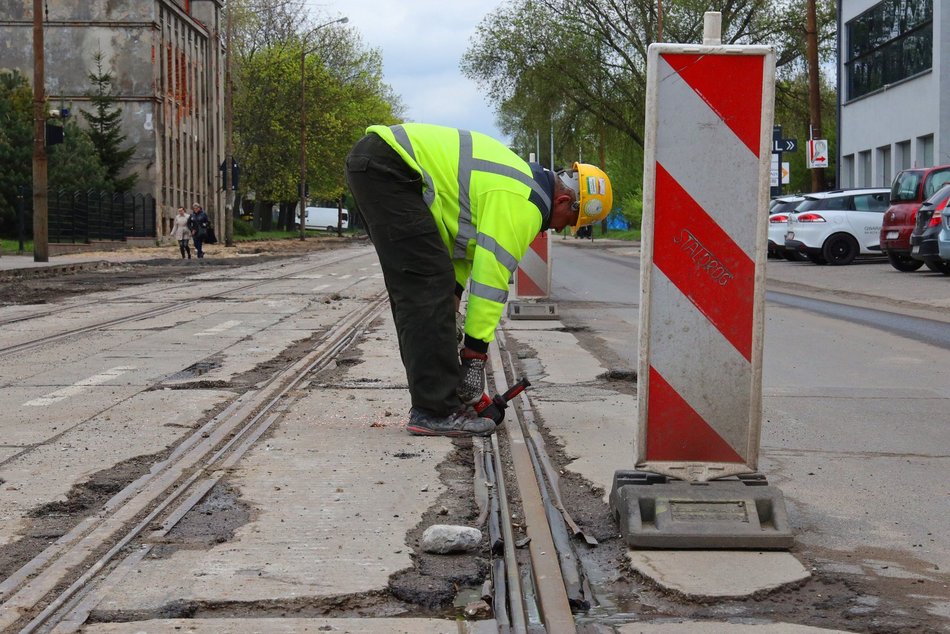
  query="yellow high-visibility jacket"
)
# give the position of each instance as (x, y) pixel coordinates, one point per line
(488, 203)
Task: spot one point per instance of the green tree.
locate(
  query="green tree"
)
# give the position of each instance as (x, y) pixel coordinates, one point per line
(580, 65)
(16, 144)
(105, 129)
(74, 165)
(266, 126)
(344, 94)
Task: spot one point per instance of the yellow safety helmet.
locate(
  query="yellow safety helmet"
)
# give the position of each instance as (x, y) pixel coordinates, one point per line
(593, 194)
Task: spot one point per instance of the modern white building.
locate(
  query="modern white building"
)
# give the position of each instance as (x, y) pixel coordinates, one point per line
(893, 88)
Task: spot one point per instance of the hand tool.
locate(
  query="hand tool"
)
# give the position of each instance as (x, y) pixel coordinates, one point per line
(494, 407)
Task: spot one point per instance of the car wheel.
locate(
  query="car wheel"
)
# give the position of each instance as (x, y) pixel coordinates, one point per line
(903, 263)
(937, 266)
(814, 258)
(942, 266)
(330, 229)
(794, 256)
(840, 249)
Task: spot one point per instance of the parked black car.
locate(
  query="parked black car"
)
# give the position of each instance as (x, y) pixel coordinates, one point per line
(924, 240)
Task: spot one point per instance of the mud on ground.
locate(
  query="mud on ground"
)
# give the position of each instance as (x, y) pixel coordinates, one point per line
(111, 270)
(49, 522)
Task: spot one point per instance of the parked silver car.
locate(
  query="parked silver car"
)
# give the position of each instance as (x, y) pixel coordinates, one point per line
(779, 210)
(930, 239)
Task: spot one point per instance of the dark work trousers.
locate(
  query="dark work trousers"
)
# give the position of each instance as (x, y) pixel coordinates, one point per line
(198, 246)
(417, 270)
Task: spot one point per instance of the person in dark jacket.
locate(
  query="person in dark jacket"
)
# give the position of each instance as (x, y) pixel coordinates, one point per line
(200, 225)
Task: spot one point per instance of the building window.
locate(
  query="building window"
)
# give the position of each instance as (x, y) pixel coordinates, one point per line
(925, 151)
(888, 43)
(864, 168)
(884, 165)
(847, 171)
(903, 155)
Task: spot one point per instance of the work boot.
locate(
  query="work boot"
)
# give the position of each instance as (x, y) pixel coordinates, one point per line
(462, 422)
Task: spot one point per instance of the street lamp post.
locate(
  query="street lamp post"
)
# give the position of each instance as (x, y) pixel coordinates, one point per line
(303, 125)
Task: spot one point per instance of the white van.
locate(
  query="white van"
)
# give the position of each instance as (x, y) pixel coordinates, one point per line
(325, 218)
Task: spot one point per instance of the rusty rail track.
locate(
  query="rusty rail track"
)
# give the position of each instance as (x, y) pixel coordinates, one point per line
(543, 592)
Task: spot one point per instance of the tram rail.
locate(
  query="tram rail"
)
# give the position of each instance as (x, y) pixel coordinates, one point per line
(53, 590)
(544, 590)
(154, 311)
(536, 582)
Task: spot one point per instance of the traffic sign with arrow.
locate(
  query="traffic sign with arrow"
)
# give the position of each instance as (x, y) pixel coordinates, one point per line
(784, 145)
(817, 153)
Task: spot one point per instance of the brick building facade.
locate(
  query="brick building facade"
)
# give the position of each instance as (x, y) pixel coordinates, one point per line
(167, 59)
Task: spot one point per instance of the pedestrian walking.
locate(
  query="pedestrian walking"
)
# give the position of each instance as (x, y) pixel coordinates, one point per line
(182, 232)
(444, 208)
(200, 226)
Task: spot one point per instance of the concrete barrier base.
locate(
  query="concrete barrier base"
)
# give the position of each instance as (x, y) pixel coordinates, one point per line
(532, 310)
(745, 513)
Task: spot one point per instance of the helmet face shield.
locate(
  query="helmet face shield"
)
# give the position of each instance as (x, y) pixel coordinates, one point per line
(593, 194)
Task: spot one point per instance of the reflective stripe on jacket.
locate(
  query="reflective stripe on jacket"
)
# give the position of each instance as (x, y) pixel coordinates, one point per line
(487, 206)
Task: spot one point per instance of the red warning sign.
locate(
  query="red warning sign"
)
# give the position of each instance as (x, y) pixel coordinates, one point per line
(533, 276)
(706, 178)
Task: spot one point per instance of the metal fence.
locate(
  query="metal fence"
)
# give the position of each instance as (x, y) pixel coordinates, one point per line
(80, 217)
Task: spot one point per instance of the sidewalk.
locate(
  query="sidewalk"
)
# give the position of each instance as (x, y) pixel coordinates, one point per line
(18, 266)
(15, 265)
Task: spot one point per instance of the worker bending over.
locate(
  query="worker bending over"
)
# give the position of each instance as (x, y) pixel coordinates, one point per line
(445, 207)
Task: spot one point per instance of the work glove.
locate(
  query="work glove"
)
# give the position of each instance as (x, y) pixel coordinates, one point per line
(472, 382)
(459, 327)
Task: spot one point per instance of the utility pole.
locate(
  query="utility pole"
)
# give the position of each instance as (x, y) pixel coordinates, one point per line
(228, 131)
(40, 200)
(303, 145)
(814, 97)
(602, 157)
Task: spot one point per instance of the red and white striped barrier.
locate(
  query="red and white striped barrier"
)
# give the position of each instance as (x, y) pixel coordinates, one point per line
(706, 186)
(533, 276)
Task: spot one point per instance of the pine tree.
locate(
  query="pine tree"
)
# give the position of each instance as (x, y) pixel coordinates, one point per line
(16, 144)
(104, 129)
(75, 165)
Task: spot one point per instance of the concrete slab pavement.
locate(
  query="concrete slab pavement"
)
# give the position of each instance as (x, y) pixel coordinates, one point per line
(323, 469)
(712, 574)
(563, 404)
(333, 489)
(121, 434)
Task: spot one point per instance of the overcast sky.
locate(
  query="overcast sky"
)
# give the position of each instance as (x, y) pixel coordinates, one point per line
(422, 42)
